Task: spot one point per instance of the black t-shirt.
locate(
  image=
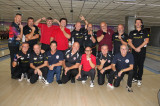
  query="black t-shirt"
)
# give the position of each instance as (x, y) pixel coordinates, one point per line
(38, 60)
(122, 62)
(138, 37)
(108, 59)
(27, 30)
(78, 36)
(88, 40)
(70, 59)
(117, 41)
(23, 60)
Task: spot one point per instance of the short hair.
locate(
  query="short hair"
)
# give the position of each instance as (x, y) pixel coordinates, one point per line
(53, 42)
(89, 47)
(125, 46)
(25, 43)
(30, 18)
(104, 45)
(49, 18)
(19, 14)
(140, 20)
(63, 19)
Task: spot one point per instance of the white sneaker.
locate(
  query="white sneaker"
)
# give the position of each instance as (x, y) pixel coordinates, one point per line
(83, 81)
(139, 83)
(110, 85)
(40, 77)
(22, 76)
(134, 80)
(28, 80)
(45, 81)
(91, 84)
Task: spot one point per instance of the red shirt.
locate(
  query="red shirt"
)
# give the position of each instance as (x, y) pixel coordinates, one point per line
(59, 37)
(106, 40)
(46, 32)
(86, 66)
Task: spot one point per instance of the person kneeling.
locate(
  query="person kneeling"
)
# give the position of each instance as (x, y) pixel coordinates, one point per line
(38, 64)
(88, 62)
(122, 64)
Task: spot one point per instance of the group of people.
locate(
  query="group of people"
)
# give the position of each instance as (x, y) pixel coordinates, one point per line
(74, 54)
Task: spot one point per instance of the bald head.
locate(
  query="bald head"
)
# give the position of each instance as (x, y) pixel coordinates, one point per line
(36, 49)
(75, 47)
(103, 26)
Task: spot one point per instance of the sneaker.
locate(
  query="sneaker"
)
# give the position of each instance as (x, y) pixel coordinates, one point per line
(110, 85)
(72, 80)
(40, 77)
(134, 80)
(45, 81)
(59, 82)
(91, 84)
(22, 76)
(139, 83)
(28, 80)
(83, 81)
(129, 89)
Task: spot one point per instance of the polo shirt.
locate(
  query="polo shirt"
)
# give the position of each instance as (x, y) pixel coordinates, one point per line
(85, 63)
(46, 32)
(138, 37)
(108, 59)
(122, 62)
(55, 58)
(106, 40)
(88, 40)
(27, 30)
(38, 60)
(117, 42)
(59, 37)
(70, 59)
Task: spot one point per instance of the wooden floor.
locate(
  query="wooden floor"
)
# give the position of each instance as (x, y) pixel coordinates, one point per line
(14, 93)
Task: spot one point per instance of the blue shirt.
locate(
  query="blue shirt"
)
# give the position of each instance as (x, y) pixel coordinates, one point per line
(122, 62)
(55, 58)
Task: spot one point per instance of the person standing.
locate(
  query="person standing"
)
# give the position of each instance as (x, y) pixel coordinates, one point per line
(138, 40)
(31, 33)
(15, 35)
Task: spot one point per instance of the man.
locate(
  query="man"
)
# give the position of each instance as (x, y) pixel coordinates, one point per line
(61, 35)
(77, 35)
(55, 59)
(38, 65)
(122, 64)
(138, 40)
(104, 36)
(87, 66)
(46, 31)
(15, 35)
(21, 62)
(119, 38)
(71, 63)
(90, 39)
(104, 60)
(31, 33)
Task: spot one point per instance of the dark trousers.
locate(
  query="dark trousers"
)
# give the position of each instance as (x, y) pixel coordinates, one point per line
(108, 74)
(90, 73)
(34, 77)
(18, 70)
(13, 51)
(45, 47)
(139, 59)
(70, 74)
(118, 79)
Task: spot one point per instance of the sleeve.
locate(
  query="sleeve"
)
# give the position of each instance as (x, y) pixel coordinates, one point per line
(146, 34)
(40, 25)
(11, 31)
(114, 59)
(98, 33)
(37, 30)
(82, 59)
(25, 32)
(131, 59)
(130, 35)
(113, 37)
(31, 59)
(61, 56)
(112, 32)
(68, 32)
(97, 60)
(45, 57)
(125, 38)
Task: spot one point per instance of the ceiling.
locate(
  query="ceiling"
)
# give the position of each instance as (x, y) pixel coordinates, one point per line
(95, 11)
